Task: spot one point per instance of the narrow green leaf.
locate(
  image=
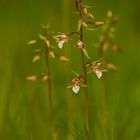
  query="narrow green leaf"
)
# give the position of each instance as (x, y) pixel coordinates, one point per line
(79, 25)
(45, 26)
(75, 73)
(90, 29)
(85, 53)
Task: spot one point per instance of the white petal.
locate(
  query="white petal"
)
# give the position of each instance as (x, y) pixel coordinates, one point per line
(60, 44)
(75, 89)
(80, 44)
(98, 73)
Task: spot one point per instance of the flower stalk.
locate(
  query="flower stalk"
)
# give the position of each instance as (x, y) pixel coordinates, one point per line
(49, 82)
(86, 98)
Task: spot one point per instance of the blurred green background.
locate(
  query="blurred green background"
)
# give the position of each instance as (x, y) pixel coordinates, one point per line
(24, 104)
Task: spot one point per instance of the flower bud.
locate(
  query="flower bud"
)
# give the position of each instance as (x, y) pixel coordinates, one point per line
(84, 24)
(90, 15)
(36, 58)
(98, 23)
(32, 78)
(31, 42)
(63, 59)
(52, 54)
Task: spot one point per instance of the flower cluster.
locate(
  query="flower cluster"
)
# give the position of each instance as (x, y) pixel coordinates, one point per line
(61, 38)
(85, 10)
(48, 50)
(76, 84)
(97, 68)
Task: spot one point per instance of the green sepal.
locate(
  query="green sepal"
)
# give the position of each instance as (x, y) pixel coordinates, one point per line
(75, 73)
(85, 53)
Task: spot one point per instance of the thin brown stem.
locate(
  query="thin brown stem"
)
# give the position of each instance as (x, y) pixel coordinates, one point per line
(51, 113)
(86, 98)
(73, 33)
(90, 22)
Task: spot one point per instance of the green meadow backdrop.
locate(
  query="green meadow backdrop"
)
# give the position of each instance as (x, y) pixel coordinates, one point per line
(24, 104)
